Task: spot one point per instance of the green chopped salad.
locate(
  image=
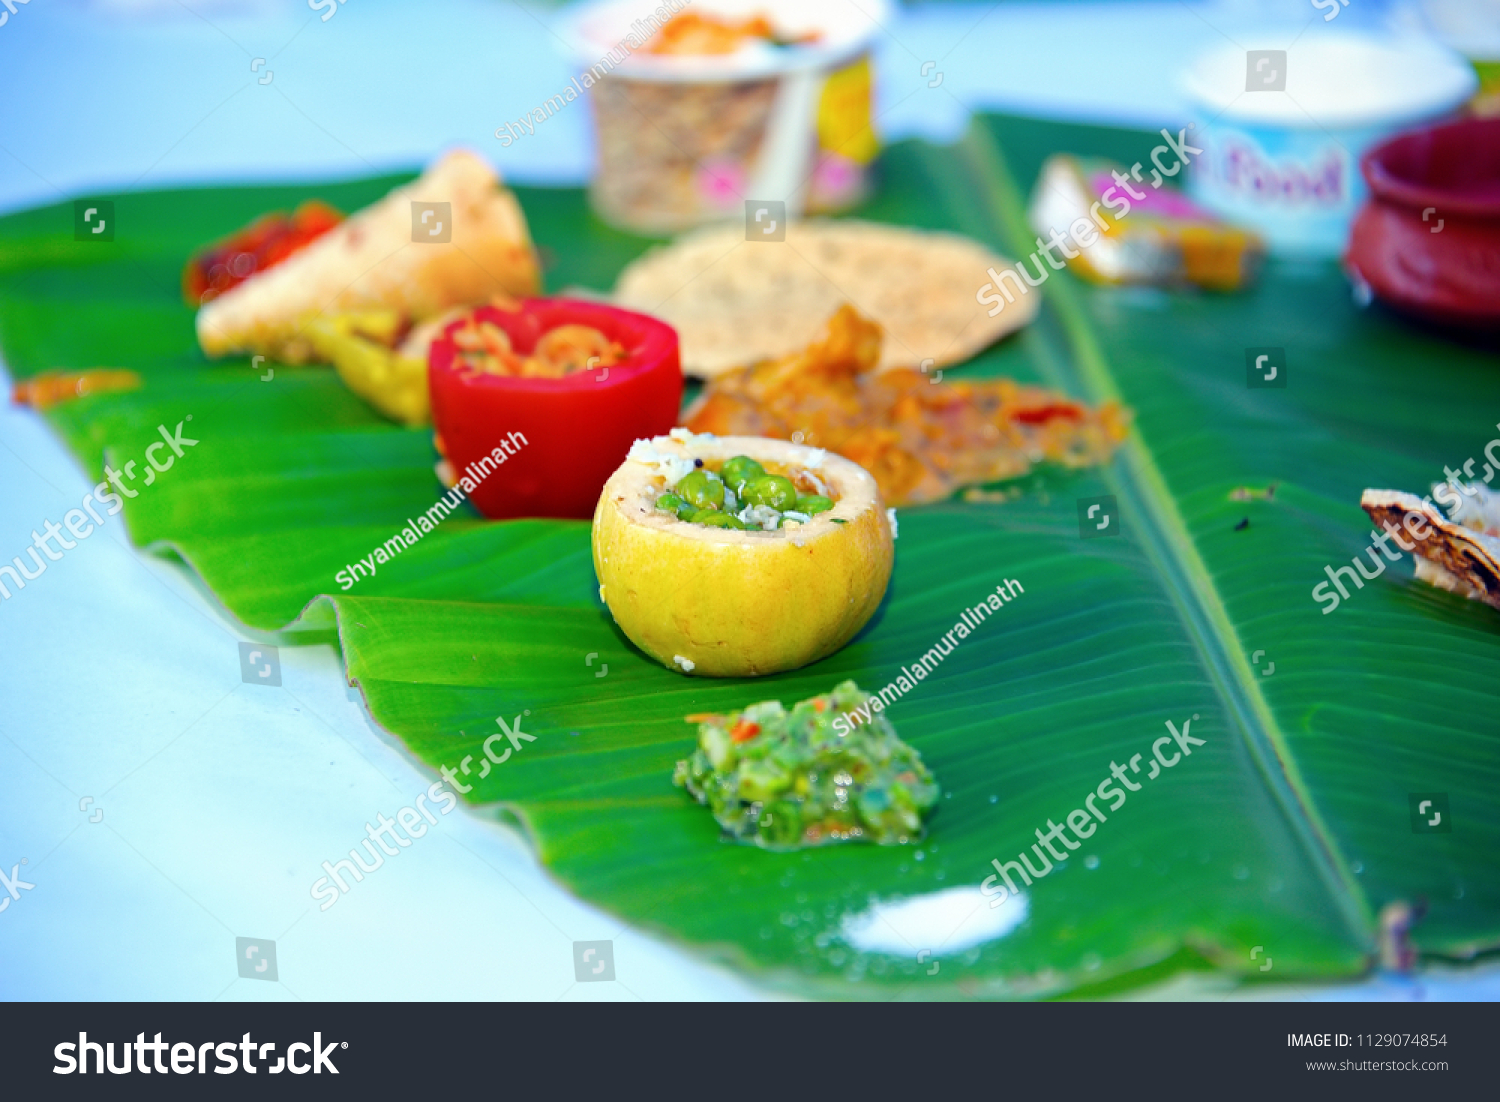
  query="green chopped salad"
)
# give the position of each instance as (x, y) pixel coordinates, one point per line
(815, 775)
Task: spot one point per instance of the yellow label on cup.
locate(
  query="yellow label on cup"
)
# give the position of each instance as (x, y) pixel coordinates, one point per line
(844, 123)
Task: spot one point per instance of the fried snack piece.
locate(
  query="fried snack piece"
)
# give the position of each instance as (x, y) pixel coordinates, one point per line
(51, 387)
(377, 260)
(921, 439)
(1459, 557)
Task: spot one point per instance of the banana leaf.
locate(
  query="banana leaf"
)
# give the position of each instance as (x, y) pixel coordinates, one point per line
(1282, 837)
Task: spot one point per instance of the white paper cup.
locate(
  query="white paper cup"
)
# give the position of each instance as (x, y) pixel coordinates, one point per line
(1285, 160)
(686, 140)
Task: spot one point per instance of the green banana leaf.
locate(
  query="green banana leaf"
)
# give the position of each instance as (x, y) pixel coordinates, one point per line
(1282, 836)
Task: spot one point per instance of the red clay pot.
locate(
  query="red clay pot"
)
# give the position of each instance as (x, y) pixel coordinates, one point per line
(1444, 267)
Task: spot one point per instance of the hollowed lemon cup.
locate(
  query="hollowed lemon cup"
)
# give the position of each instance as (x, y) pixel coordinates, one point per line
(719, 602)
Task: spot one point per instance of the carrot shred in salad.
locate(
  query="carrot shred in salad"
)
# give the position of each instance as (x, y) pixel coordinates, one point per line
(744, 731)
(921, 439)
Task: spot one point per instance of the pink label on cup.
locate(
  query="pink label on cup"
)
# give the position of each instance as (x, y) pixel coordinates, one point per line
(722, 184)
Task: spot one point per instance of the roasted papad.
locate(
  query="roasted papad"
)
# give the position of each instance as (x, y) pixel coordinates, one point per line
(735, 300)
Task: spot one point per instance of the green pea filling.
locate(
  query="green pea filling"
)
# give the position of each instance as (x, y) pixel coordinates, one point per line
(771, 490)
(702, 488)
(743, 495)
(830, 770)
(713, 518)
(740, 470)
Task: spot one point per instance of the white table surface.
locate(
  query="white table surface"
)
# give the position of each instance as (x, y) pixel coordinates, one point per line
(120, 684)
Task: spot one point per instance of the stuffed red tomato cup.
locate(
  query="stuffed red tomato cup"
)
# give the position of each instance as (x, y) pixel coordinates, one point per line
(541, 402)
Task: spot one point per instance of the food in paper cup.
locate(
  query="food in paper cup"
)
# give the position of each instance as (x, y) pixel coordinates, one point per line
(724, 101)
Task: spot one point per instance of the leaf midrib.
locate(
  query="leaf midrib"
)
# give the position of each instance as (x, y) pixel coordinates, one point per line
(1142, 491)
